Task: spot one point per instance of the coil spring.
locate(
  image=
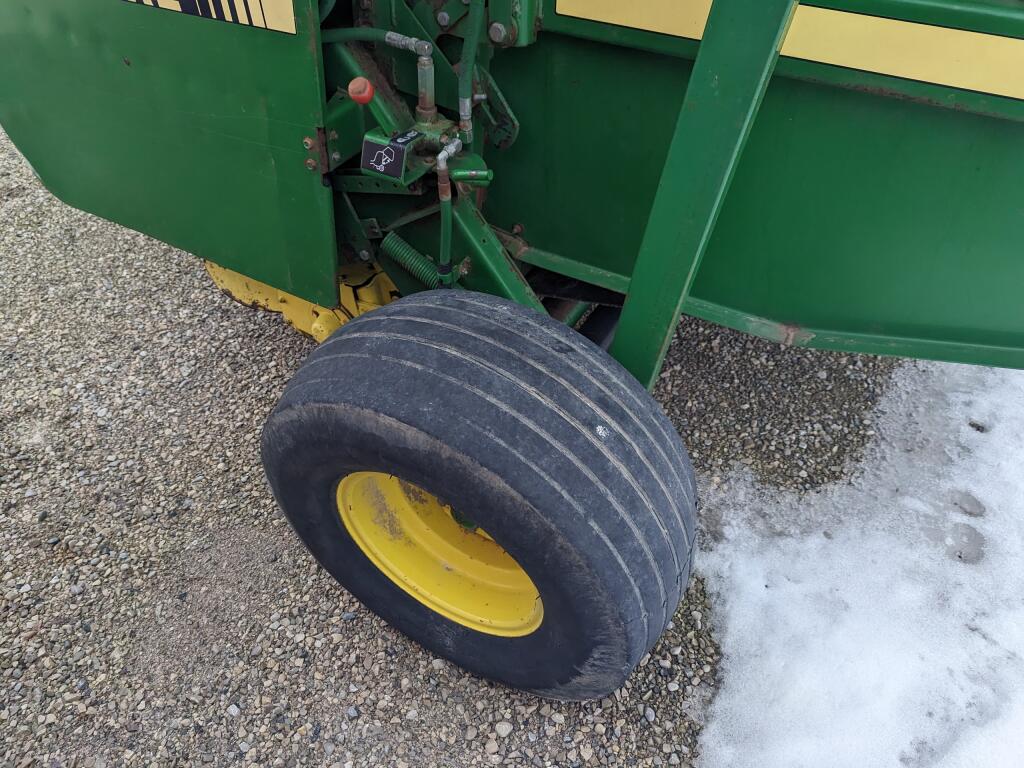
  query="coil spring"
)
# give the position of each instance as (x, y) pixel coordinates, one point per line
(414, 262)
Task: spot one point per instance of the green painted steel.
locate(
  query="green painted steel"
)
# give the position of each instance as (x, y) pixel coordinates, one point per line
(734, 64)
(970, 15)
(866, 212)
(185, 128)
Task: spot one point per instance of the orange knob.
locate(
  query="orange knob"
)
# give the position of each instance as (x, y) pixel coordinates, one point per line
(360, 90)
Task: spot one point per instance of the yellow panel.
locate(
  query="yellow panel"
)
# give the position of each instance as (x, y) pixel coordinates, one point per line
(969, 60)
(257, 15)
(682, 18)
(268, 14)
(279, 15)
(362, 288)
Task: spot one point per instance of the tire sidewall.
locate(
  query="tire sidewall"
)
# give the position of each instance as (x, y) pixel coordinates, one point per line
(580, 644)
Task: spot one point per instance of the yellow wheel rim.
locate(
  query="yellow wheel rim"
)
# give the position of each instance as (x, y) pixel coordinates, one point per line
(455, 570)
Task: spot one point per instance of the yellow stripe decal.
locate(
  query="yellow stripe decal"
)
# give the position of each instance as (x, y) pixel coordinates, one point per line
(278, 15)
(972, 61)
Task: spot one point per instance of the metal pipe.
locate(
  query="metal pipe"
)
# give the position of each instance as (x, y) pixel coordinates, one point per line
(451, 149)
(444, 256)
(467, 67)
(444, 192)
(478, 178)
(354, 35)
(576, 314)
(426, 107)
(375, 35)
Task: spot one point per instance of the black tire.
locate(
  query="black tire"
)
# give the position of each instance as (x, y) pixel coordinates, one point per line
(570, 463)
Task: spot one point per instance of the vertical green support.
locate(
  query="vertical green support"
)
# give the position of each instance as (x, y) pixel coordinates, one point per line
(734, 64)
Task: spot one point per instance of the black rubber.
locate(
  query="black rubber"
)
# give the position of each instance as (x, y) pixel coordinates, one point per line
(559, 454)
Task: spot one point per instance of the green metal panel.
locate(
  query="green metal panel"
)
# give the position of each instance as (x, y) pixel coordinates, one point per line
(188, 129)
(881, 225)
(867, 213)
(998, 17)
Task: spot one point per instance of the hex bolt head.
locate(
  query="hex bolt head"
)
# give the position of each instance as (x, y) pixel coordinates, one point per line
(443, 18)
(497, 32)
(311, 164)
(307, 143)
(364, 255)
(336, 156)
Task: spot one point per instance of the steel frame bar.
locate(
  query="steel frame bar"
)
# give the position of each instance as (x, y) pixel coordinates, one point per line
(734, 64)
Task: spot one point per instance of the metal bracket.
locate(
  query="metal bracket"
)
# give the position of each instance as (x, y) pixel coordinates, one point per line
(514, 22)
(500, 124)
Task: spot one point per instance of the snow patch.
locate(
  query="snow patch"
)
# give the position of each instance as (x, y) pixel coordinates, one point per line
(881, 623)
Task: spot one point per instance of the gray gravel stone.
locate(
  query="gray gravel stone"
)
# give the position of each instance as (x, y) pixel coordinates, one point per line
(795, 418)
(149, 586)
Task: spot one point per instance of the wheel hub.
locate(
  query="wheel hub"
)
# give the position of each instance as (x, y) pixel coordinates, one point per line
(438, 557)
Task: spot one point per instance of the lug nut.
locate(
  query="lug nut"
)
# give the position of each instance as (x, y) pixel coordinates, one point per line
(497, 32)
(443, 18)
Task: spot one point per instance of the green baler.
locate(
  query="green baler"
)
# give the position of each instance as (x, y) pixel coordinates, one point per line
(494, 212)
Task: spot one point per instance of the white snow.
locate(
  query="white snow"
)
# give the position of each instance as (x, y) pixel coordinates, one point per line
(881, 623)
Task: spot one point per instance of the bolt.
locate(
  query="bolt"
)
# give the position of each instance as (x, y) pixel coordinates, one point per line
(311, 164)
(333, 135)
(497, 32)
(336, 157)
(307, 143)
(443, 18)
(364, 255)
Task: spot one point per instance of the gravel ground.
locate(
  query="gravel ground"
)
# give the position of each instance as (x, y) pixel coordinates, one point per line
(156, 609)
(795, 418)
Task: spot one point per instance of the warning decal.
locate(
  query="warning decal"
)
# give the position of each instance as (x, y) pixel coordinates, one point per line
(267, 14)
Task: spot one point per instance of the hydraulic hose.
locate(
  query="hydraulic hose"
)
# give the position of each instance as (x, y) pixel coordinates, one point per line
(354, 35)
(467, 67)
(444, 191)
(426, 109)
